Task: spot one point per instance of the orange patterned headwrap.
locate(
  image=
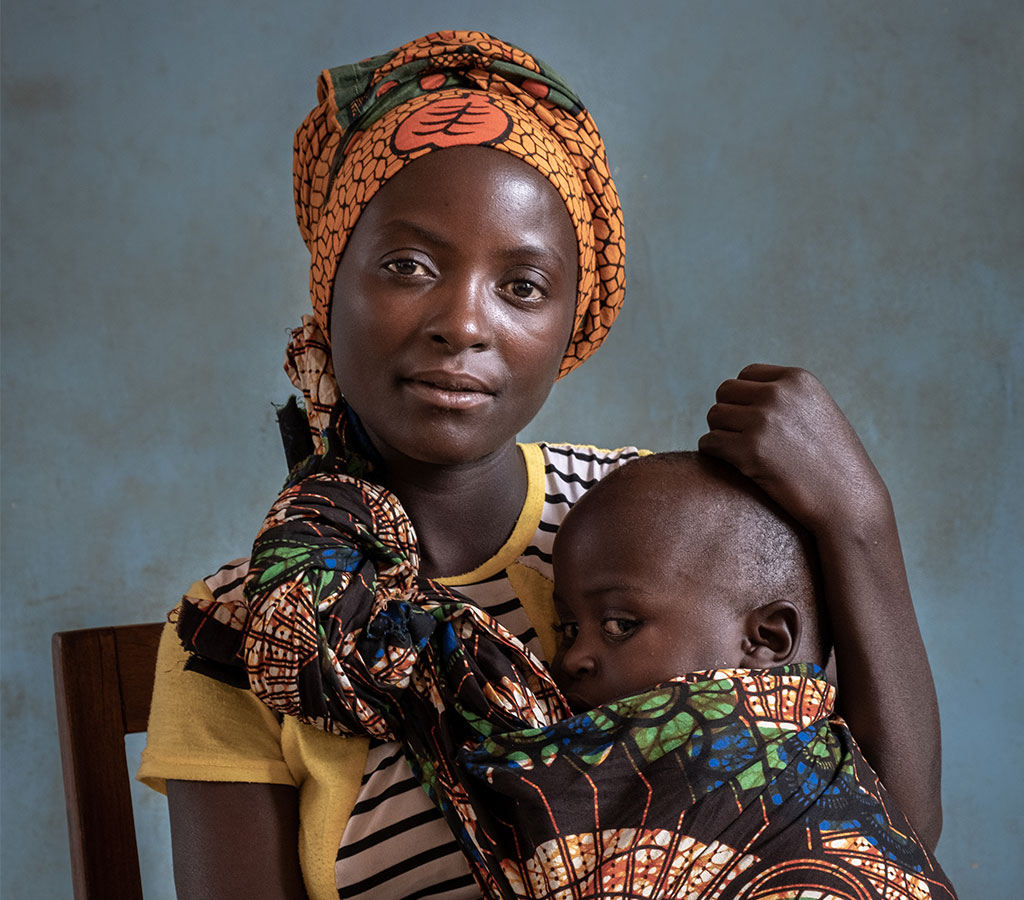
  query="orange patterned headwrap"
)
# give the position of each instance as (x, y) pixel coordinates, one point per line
(452, 88)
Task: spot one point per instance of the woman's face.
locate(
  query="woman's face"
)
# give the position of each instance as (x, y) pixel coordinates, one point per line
(453, 305)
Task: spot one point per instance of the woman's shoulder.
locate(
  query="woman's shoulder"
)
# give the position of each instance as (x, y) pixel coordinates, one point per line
(561, 473)
(583, 463)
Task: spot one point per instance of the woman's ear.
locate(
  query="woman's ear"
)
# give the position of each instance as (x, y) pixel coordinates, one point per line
(771, 635)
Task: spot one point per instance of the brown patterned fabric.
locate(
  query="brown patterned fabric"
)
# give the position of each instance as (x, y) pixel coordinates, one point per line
(452, 88)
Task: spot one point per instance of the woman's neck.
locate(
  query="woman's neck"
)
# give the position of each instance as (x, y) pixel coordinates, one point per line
(462, 514)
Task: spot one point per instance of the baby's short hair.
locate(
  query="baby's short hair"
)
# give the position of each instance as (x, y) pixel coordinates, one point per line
(776, 555)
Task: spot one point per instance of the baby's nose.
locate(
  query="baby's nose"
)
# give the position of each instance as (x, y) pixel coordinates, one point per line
(578, 661)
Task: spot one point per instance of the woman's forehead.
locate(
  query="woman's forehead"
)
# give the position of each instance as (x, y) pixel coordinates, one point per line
(476, 183)
(454, 165)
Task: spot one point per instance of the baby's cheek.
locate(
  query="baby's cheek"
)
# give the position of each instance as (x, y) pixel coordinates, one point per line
(555, 666)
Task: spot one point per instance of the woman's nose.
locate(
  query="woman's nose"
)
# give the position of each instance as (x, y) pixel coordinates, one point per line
(461, 316)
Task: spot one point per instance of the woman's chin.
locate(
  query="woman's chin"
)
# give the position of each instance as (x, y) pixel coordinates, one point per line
(449, 448)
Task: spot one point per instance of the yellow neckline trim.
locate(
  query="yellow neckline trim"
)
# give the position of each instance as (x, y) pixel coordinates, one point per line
(526, 524)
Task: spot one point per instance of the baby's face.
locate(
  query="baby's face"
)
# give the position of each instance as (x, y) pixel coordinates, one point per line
(636, 607)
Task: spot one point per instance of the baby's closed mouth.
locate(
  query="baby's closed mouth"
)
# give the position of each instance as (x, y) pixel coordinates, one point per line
(578, 704)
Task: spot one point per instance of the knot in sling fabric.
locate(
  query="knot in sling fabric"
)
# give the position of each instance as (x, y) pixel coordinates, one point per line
(338, 617)
(448, 89)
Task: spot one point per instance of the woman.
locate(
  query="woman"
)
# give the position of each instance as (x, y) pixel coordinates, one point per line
(466, 248)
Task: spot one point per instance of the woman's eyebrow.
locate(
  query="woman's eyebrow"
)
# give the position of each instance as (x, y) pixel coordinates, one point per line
(538, 252)
(424, 233)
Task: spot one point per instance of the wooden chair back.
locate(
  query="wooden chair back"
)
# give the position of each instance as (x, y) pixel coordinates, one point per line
(103, 679)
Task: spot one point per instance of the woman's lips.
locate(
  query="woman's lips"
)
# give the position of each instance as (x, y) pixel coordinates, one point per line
(449, 390)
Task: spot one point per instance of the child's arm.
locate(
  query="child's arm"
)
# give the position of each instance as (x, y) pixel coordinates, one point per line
(780, 427)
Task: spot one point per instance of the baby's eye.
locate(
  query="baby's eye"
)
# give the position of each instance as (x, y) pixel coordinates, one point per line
(568, 631)
(619, 628)
(406, 267)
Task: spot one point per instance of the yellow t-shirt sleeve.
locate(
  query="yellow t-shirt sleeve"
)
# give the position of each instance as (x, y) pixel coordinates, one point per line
(203, 730)
(330, 770)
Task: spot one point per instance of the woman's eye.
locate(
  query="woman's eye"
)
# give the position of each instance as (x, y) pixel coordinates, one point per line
(406, 267)
(525, 290)
(620, 628)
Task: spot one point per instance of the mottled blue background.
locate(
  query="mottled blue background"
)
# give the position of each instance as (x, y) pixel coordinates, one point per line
(833, 185)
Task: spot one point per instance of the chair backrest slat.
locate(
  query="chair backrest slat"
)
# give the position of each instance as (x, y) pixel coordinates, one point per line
(103, 678)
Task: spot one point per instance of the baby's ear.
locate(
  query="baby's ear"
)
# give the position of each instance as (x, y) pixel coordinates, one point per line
(771, 635)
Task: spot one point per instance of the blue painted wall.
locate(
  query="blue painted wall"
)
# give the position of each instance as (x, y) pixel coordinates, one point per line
(837, 186)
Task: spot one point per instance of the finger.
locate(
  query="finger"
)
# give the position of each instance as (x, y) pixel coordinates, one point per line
(714, 443)
(762, 372)
(721, 445)
(738, 450)
(733, 417)
(744, 392)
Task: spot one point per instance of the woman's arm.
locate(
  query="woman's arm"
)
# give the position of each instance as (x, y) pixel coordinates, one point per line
(235, 841)
(780, 427)
(226, 836)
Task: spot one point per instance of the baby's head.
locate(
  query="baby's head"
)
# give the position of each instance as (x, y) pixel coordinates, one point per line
(677, 563)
